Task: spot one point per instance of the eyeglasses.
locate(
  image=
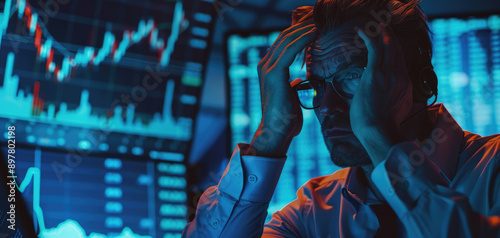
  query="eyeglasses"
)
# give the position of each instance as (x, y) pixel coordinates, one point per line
(344, 82)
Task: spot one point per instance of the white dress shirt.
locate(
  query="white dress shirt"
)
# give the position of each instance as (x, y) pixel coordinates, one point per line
(445, 187)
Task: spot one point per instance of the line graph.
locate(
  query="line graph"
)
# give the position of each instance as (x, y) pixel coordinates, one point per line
(68, 228)
(111, 77)
(32, 105)
(88, 55)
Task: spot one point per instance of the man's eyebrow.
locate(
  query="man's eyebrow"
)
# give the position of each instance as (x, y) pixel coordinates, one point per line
(356, 60)
(340, 67)
(344, 65)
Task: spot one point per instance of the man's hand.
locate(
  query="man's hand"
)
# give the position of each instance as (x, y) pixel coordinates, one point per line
(281, 112)
(384, 96)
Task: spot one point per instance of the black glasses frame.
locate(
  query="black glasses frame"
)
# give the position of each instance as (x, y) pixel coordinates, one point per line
(328, 80)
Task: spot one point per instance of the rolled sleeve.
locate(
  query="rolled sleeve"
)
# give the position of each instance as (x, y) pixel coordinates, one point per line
(421, 196)
(405, 175)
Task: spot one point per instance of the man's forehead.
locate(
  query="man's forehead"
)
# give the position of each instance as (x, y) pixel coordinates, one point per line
(346, 29)
(337, 49)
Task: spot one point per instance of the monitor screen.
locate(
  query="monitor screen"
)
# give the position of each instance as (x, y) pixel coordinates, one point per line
(100, 97)
(466, 60)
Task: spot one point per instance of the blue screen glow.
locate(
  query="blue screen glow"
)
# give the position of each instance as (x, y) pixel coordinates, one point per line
(103, 95)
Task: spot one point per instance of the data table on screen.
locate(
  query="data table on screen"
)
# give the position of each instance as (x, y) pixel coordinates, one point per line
(73, 195)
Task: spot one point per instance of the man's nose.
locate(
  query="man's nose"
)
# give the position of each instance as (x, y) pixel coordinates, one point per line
(332, 103)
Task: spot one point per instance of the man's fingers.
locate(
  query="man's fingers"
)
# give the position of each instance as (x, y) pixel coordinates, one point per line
(373, 47)
(287, 40)
(392, 49)
(282, 35)
(290, 51)
(379, 54)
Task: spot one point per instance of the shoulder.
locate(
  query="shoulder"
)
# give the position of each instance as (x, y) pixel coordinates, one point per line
(485, 146)
(479, 156)
(316, 201)
(478, 173)
(472, 138)
(324, 185)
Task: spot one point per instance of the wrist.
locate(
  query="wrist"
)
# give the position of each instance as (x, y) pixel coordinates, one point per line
(269, 143)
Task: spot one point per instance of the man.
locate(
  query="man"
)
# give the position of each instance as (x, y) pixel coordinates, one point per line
(410, 170)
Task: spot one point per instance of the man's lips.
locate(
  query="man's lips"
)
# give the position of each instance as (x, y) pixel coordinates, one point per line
(336, 131)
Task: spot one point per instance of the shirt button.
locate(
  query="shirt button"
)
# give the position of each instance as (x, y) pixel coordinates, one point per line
(252, 178)
(391, 191)
(215, 223)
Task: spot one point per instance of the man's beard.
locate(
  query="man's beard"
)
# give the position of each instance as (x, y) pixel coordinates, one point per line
(345, 151)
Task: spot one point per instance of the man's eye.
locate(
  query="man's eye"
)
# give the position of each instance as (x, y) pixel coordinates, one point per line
(353, 76)
(348, 74)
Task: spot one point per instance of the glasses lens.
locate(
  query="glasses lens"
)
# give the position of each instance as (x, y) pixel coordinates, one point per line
(310, 93)
(346, 81)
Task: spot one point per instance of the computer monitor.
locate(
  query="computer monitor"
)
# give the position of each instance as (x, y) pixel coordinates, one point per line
(466, 61)
(101, 98)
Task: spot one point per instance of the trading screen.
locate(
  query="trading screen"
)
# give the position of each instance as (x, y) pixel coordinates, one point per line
(103, 95)
(466, 60)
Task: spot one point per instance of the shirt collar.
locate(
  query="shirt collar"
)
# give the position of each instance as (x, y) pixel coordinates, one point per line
(442, 147)
(356, 189)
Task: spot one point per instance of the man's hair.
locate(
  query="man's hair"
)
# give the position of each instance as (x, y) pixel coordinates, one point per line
(407, 20)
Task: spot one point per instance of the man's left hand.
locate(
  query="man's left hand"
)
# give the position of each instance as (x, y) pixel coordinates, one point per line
(384, 95)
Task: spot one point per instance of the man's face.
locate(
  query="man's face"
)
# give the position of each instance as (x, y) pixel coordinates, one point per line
(329, 54)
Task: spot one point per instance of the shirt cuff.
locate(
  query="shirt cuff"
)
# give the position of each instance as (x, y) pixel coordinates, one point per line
(261, 177)
(251, 178)
(405, 175)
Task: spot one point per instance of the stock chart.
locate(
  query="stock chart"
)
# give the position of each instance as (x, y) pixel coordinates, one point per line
(466, 59)
(103, 95)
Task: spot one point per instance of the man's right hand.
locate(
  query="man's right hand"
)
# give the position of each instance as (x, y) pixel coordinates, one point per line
(281, 112)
